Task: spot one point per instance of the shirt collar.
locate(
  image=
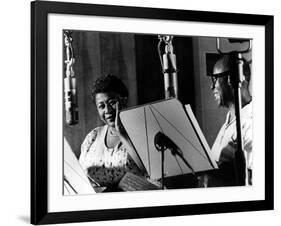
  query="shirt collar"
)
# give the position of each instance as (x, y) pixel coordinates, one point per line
(246, 112)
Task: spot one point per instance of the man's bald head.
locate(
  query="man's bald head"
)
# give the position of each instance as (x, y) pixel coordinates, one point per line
(223, 65)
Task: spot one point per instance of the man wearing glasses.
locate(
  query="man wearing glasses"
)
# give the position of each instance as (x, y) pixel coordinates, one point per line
(225, 144)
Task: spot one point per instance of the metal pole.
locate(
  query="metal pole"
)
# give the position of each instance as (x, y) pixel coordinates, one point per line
(162, 168)
(236, 78)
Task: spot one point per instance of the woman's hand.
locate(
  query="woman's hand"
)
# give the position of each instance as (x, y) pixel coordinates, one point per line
(118, 124)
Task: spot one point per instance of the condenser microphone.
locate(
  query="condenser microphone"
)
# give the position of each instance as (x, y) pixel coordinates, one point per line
(170, 74)
(70, 89)
(169, 67)
(70, 98)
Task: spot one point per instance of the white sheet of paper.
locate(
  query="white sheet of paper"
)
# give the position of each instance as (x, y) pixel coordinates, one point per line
(169, 117)
(75, 182)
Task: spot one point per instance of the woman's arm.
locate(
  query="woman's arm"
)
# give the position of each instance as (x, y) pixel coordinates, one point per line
(89, 139)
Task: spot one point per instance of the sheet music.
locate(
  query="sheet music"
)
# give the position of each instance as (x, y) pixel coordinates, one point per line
(169, 117)
(132, 182)
(200, 134)
(75, 180)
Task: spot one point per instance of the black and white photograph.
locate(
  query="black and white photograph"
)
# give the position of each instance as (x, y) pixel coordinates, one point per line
(155, 112)
(149, 112)
(140, 112)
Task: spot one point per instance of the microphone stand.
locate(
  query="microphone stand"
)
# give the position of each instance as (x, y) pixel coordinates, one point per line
(162, 143)
(169, 70)
(236, 73)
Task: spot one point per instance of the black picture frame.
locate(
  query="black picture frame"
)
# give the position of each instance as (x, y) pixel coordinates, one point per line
(39, 112)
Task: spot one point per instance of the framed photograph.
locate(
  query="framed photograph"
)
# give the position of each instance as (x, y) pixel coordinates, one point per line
(145, 112)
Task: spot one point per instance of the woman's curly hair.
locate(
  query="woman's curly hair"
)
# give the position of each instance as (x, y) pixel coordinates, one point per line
(109, 83)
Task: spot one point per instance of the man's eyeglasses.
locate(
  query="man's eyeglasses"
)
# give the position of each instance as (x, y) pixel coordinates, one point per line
(215, 77)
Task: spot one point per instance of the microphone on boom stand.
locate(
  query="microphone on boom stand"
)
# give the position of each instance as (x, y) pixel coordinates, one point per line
(236, 73)
(169, 69)
(169, 66)
(70, 90)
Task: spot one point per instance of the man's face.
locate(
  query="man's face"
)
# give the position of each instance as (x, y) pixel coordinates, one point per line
(222, 91)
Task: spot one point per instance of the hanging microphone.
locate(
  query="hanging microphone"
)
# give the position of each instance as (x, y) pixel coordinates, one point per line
(236, 76)
(169, 67)
(70, 93)
(70, 97)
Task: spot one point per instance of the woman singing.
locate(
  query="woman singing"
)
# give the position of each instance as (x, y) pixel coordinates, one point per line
(105, 152)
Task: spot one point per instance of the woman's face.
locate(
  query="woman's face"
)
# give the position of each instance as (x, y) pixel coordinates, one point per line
(106, 105)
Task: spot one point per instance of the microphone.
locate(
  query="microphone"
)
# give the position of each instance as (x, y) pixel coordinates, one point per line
(169, 67)
(70, 97)
(70, 91)
(163, 142)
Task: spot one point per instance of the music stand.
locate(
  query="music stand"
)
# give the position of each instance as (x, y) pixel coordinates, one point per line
(171, 118)
(75, 180)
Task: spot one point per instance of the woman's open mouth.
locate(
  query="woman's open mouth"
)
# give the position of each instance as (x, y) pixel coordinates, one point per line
(110, 118)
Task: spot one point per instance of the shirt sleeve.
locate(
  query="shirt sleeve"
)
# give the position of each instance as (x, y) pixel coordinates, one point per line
(89, 139)
(247, 137)
(247, 142)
